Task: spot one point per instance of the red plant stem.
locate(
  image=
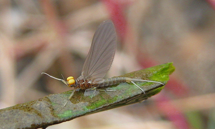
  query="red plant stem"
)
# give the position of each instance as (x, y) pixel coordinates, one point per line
(212, 3)
(116, 11)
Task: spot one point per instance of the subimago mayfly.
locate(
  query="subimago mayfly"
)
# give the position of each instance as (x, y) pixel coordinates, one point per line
(98, 62)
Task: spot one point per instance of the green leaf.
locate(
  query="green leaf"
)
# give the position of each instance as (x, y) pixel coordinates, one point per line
(50, 110)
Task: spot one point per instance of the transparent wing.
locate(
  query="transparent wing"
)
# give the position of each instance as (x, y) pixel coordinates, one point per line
(102, 51)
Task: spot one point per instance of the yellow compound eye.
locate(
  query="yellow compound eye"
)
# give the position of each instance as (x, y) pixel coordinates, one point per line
(70, 80)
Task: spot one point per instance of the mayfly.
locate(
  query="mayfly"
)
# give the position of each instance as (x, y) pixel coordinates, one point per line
(98, 62)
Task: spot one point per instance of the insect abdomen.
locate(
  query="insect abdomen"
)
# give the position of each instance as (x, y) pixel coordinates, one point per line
(112, 81)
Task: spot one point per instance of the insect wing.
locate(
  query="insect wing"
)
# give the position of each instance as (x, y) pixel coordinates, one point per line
(101, 54)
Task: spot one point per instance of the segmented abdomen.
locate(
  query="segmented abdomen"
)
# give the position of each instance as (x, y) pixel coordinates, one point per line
(86, 84)
(111, 81)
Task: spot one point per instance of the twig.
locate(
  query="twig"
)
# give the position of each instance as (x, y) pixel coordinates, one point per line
(49, 110)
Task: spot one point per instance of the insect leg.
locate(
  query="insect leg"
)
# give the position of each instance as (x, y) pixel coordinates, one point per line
(133, 80)
(71, 94)
(94, 88)
(69, 98)
(106, 90)
(90, 92)
(138, 87)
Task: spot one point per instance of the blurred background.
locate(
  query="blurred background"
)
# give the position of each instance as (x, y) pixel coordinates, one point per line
(54, 36)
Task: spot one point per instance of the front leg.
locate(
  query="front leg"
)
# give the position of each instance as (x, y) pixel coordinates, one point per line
(91, 92)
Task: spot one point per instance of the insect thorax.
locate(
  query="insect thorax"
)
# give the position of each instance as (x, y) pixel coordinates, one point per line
(83, 84)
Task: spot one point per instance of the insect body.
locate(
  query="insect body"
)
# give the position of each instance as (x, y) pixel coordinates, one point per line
(86, 84)
(98, 62)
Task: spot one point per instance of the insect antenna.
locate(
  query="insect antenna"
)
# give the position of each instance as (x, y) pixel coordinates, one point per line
(62, 80)
(62, 76)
